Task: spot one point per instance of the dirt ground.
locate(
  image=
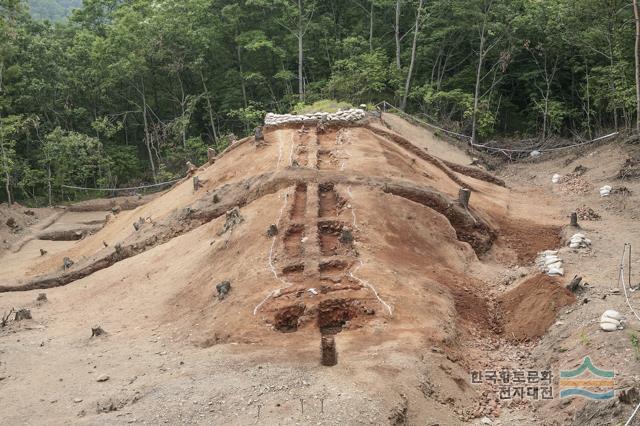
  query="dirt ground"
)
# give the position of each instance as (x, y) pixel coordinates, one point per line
(369, 248)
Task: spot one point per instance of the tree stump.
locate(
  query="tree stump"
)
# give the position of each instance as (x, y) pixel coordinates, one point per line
(211, 155)
(97, 331)
(42, 252)
(191, 168)
(574, 284)
(67, 263)
(42, 297)
(463, 197)
(328, 350)
(574, 219)
(272, 231)
(259, 134)
(22, 314)
(196, 183)
(223, 289)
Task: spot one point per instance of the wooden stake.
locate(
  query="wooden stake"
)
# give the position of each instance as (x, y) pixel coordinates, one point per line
(196, 183)
(463, 197)
(574, 219)
(259, 134)
(329, 354)
(211, 155)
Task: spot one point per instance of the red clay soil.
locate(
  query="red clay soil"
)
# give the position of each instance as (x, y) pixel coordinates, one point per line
(531, 308)
(527, 239)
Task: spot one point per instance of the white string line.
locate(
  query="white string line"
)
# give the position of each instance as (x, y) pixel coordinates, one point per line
(628, 423)
(624, 286)
(352, 274)
(270, 262)
(353, 209)
(372, 288)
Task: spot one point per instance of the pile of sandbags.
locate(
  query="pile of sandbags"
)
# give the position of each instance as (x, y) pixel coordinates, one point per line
(350, 115)
(611, 320)
(605, 191)
(578, 241)
(549, 262)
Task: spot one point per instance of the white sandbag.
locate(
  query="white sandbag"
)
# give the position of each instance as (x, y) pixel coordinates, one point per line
(608, 326)
(604, 319)
(554, 272)
(556, 265)
(610, 313)
(556, 178)
(605, 191)
(551, 259)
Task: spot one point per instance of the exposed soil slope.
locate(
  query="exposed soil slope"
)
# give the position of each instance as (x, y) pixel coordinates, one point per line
(352, 232)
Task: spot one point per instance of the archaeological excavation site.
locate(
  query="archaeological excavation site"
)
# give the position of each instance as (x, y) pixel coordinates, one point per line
(347, 268)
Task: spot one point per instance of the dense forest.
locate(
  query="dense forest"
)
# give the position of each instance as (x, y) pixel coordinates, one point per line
(53, 10)
(125, 91)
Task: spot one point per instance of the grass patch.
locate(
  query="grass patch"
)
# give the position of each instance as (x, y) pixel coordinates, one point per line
(635, 343)
(324, 105)
(584, 339)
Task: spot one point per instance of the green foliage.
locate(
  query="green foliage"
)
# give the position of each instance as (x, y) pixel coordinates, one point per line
(635, 344)
(74, 159)
(124, 165)
(152, 83)
(361, 78)
(53, 10)
(251, 116)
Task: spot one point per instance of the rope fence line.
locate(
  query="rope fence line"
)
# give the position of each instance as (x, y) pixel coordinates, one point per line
(133, 188)
(385, 105)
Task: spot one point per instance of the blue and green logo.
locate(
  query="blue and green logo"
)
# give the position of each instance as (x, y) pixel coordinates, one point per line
(587, 381)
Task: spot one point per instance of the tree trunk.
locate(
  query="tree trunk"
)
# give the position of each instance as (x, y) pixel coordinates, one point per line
(637, 55)
(300, 53)
(545, 114)
(477, 89)
(397, 34)
(7, 176)
(371, 28)
(182, 104)
(407, 85)
(244, 89)
(5, 166)
(147, 136)
(49, 182)
(210, 108)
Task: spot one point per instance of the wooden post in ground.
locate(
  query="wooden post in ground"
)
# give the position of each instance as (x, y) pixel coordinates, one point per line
(211, 155)
(463, 197)
(574, 219)
(259, 135)
(329, 354)
(196, 183)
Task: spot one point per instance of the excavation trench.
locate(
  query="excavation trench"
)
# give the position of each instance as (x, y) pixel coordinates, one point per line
(239, 194)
